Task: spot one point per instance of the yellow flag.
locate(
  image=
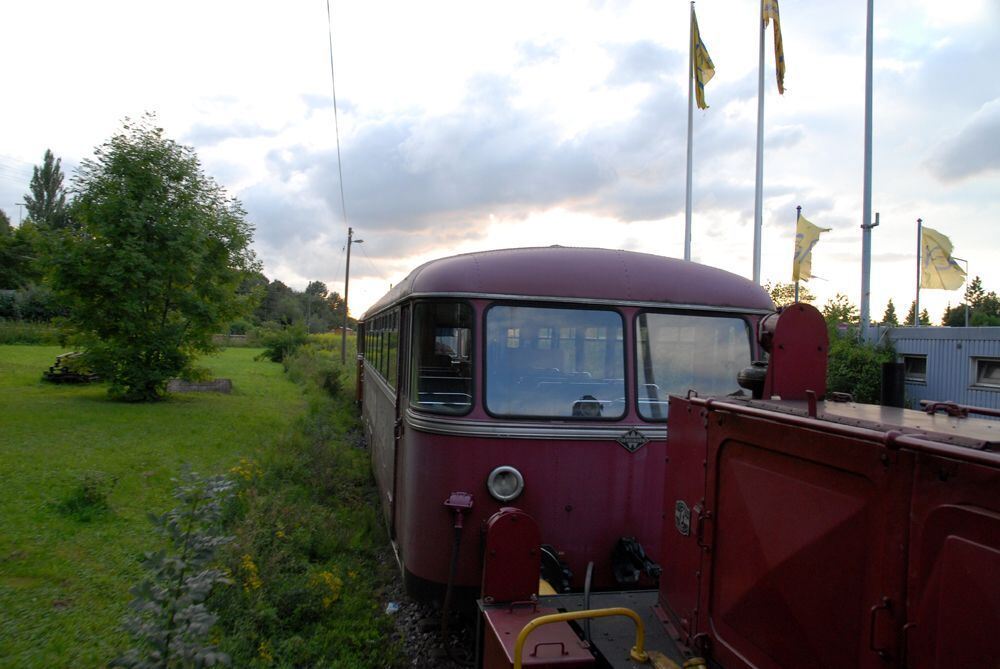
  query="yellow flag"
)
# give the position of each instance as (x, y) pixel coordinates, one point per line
(704, 69)
(937, 268)
(769, 10)
(806, 236)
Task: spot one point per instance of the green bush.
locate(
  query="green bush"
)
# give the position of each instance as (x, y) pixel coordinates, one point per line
(281, 342)
(856, 367)
(23, 332)
(318, 368)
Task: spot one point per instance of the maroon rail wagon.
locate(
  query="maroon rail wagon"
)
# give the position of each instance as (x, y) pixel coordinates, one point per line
(801, 531)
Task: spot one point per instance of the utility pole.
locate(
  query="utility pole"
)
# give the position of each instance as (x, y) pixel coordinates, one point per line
(347, 283)
(20, 211)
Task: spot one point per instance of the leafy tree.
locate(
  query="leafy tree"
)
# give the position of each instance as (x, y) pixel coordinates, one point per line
(279, 305)
(5, 228)
(151, 268)
(954, 317)
(316, 288)
(839, 309)
(337, 308)
(46, 204)
(19, 253)
(889, 317)
(925, 318)
(784, 293)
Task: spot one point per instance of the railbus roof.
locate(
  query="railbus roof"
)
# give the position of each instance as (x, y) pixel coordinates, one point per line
(580, 274)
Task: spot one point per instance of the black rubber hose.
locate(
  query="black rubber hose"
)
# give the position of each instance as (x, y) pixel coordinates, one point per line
(446, 608)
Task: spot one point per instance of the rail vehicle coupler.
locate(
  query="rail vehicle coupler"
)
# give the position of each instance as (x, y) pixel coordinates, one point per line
(460, 503)
(629, 561)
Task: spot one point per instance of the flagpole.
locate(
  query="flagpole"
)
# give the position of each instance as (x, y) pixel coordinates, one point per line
(916, 302)
(758, 215)
(687, 202)
(866, 222)
(798, 215)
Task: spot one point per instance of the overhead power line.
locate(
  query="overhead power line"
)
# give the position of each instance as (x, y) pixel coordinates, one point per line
(336, 121)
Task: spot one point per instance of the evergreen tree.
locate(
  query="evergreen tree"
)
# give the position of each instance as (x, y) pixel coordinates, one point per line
(925, 319)
(47, 202)
(974, 292)
(889, 317)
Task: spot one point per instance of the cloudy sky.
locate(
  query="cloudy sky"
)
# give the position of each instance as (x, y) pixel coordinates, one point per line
(469, 125)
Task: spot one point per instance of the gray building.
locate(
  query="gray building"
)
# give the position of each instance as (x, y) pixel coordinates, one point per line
(950, 364)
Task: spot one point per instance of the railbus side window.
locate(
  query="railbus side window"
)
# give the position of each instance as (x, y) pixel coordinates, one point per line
(393, 347)
(680, 352)
(441, 369)
(544, 362)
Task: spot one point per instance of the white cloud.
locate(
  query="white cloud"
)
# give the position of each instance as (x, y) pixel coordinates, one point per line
(467, 126)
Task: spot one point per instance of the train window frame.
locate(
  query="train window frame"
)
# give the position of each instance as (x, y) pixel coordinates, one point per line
(915, 368)
(748, 325)
(413, 349)
(983, 370)
(518, 335)
(379, 331)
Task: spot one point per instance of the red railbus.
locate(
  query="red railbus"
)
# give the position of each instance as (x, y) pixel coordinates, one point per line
(539, 377)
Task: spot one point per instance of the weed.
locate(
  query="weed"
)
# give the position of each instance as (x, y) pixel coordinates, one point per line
(170, 621)
(308, 548)
(89, 497)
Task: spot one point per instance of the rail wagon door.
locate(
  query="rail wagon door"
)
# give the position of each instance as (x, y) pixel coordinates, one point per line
(953, 612)
(402, 402)
(805, 545)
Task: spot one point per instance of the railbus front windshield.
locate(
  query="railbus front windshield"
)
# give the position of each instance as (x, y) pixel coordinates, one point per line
(680, 352)
(544, 362)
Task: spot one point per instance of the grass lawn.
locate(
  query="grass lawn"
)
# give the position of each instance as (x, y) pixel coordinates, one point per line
(64, 582)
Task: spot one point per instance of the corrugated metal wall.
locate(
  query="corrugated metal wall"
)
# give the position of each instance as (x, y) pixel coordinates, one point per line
(950, 363)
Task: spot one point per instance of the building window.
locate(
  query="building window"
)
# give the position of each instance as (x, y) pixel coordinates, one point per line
(915, 368)
(987, 371)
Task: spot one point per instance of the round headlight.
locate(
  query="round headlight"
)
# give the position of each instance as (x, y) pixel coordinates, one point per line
(505, 483)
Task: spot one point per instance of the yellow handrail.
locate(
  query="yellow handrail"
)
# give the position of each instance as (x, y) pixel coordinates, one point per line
(637, 654)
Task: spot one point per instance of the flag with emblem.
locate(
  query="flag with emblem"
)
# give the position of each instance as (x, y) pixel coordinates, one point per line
(806, 237)
(701, 63)
(769, 11)
(937, 268)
